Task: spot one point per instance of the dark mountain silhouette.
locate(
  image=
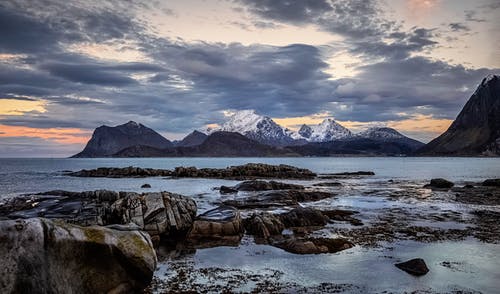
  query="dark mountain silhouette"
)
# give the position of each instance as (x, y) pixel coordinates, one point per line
(218, 144)
(476, 130)
(193, 139)
(106, 141)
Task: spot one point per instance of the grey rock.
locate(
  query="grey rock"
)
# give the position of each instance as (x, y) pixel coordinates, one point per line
(44, 256)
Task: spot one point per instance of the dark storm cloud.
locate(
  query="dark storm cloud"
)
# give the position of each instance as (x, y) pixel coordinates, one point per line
(352, 18)
(411, 84)
(456, 27)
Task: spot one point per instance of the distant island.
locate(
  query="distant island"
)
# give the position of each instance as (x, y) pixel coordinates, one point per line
(475, 132)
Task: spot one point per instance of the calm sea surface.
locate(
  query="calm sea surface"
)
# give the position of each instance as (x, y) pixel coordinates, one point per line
(39, 174)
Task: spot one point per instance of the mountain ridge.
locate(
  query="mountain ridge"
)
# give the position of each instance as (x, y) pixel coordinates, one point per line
(476, 129)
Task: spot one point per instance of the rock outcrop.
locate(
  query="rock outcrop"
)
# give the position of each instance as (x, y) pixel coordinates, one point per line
(159, 213)
(240, 172)
(476, 130)
(44, 256)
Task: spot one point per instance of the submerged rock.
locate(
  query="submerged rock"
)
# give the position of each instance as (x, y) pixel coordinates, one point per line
(257, 185)
(146, 186)
(342, 215)
(416, 267)
(44, 256)
(328, 184)
(221, 226)
(439, 183)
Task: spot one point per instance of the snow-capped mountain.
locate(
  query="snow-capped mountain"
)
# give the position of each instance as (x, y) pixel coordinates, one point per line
(385, 134)
(257, 127)
(328, 130)
(380, 133)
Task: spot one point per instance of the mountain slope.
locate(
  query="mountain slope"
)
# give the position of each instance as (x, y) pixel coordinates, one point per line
(193, 139)
(385, 134)
(476, 130)
(256, 127)
(328, 130)
(107, 141)
(218, 144)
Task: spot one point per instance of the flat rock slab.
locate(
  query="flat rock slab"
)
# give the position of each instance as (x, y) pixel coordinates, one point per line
(258, 185)
(416, 267)
(278, 199)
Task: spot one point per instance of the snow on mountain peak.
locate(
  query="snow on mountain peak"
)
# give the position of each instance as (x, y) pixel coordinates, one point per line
(258, 127)
(328, 130)
(380, 133)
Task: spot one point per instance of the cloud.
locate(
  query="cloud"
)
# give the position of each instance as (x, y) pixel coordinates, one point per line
(177, 86)
(456, 27)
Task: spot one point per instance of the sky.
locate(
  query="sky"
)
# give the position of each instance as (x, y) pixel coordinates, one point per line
(67, 67)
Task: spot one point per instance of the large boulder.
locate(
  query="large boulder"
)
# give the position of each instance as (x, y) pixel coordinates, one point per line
(439, 183)
(416, 267)
(264, 225)
(44, 256)
(304, 217)
(217, 227)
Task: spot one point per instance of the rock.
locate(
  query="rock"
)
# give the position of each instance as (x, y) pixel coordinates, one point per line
(256, 185)
(146, 186)
(159, 213)
(44, 256)
(303, 217)
(492, 182)
(439, 184)
(264, 225)
(328, 184)
(125, 172)
(165, 214)
(342, 215)
(468, 186)
(221, 226)
(416, 267)
(346, 175)
(313, 245)
(241, 172)
(227, 190)
(277, 199)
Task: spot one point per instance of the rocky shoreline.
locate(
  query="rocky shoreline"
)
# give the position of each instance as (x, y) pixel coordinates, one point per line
(283, 215)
